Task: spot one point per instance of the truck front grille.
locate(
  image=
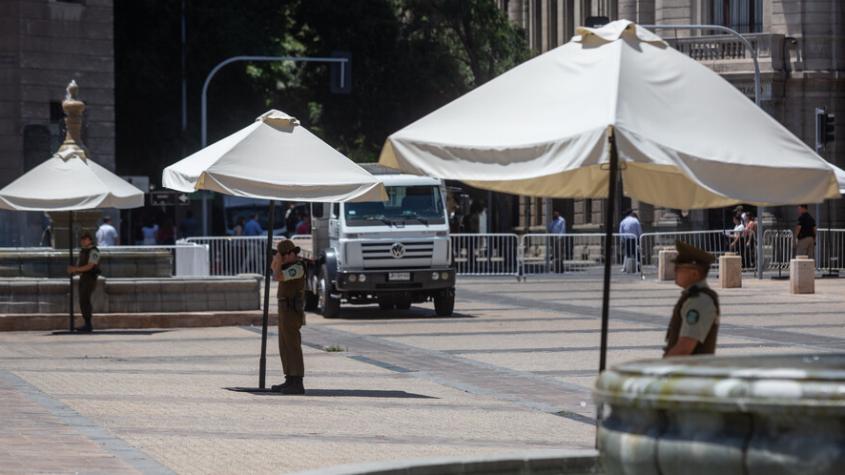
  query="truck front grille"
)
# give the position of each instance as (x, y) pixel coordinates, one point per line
(397, 254)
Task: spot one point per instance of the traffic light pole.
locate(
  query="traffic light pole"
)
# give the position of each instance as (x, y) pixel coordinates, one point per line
(254, 59)
(757, 100)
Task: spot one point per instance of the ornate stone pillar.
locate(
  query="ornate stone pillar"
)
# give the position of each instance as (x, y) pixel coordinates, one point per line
(83, 220)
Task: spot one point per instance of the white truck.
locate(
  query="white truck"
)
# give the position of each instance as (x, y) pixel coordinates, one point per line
(392, 253)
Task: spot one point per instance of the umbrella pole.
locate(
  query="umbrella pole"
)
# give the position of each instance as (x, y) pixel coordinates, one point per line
(608, 248)
(70, 262)
(262, 363)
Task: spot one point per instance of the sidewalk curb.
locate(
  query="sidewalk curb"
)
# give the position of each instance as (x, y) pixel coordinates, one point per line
(547, 462)
(59, 321)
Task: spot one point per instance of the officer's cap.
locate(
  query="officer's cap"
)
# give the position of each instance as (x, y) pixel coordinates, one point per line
(691, 255)
(287, 246)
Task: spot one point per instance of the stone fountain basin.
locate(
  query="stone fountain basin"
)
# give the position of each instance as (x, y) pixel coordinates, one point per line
(715, 414)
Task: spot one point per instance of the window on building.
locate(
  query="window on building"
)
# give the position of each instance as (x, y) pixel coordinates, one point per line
(744, 16)
(553, 23)
(537, 25)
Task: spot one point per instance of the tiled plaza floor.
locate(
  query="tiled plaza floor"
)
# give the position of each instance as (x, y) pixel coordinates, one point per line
(511, 371)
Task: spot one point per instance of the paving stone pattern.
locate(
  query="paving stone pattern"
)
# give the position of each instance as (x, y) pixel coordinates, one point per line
(510, 372)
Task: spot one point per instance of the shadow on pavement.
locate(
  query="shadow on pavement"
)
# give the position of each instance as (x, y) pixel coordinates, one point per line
(110, 332)
(374, 313)
(375, 393)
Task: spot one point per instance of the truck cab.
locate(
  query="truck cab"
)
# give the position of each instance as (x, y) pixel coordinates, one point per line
(393, 253)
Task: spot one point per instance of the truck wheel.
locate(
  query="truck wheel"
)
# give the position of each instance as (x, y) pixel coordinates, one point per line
(444, 303)
(403, 304)
(329, 306)
(385, 305)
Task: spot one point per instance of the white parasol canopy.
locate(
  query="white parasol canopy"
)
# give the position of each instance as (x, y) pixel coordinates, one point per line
(686, 138)
(274, 158)
(69, 181)
(840, 177)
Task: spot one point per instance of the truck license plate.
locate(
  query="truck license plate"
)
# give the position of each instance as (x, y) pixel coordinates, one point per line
(393, 276)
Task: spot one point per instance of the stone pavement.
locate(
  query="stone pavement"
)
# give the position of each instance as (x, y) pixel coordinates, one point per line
(511, 371)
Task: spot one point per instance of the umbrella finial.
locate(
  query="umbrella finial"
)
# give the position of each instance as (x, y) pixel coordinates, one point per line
(73, 108)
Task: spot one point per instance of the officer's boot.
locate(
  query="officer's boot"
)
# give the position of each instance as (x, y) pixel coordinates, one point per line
(87, 328)
(295, 387)
(280, 387)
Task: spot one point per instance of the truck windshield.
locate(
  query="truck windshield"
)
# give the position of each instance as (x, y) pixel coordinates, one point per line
(406, 205)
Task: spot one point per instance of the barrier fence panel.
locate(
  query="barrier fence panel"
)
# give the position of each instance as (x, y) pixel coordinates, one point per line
(777, 249)
(231, 255)
(716, 242)
(830, 251)
(485, 254)
(565, 253)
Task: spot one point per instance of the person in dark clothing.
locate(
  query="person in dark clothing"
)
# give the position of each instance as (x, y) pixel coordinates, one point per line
(88, 268)
(805, 234)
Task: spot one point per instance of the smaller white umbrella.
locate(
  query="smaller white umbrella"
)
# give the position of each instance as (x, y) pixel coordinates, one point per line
(274, 158)
(70, 181)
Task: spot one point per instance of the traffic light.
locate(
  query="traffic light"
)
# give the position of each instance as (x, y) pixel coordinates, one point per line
(824, 128)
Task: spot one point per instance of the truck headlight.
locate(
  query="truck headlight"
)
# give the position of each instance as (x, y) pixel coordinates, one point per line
(362, 277)
(435, 276)
(353, 278)
(444, 275)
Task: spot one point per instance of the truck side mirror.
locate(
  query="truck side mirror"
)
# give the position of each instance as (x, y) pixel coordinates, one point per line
(317, 210)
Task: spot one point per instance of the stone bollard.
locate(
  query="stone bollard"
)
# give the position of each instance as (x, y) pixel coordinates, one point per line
(802, 275)
(666, 264)
(730, 271)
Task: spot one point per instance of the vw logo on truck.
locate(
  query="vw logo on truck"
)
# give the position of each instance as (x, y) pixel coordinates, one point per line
(398, 250)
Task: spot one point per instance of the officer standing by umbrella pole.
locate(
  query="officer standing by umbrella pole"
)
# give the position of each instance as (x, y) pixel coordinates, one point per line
(88, 269)
(695, 318)
(289, 271)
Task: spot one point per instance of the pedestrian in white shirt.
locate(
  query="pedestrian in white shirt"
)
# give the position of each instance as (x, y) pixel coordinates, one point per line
(107, 234)
(631, 230)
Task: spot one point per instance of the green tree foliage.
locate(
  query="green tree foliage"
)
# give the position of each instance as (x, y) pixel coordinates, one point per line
(409, 57)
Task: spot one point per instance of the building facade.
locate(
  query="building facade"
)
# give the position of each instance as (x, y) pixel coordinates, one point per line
(801, 49)
(43, 45)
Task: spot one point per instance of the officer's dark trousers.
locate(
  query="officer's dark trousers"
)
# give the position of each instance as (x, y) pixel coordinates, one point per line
(290, 340)
(86, 288)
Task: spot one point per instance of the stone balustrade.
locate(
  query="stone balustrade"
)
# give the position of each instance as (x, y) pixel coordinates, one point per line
(755, 415)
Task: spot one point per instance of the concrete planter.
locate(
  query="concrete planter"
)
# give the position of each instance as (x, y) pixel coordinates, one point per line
(724, 415)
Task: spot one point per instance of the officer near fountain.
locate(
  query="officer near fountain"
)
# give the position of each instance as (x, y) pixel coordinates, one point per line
(289, 271)
(695, 318)
(88, 268)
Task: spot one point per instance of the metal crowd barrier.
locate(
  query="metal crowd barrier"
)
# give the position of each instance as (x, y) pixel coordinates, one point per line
(566, 253)
(531, 254)
(830, 249)
(231, 255)
(486, 254)
(778, 247)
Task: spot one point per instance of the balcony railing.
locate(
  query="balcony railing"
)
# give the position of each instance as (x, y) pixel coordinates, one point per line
(729, 48)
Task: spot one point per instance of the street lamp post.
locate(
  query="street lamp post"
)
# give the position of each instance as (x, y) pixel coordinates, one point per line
(757, 100)
(204, 98)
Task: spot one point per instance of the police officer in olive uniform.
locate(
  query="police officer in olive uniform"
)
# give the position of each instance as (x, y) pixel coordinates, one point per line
(695, 319)
(88, 268)
(289, 271)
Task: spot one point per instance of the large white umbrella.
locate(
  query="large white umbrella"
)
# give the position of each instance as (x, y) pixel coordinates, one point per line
(614, 99)
(70, 181)
(274, 158)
